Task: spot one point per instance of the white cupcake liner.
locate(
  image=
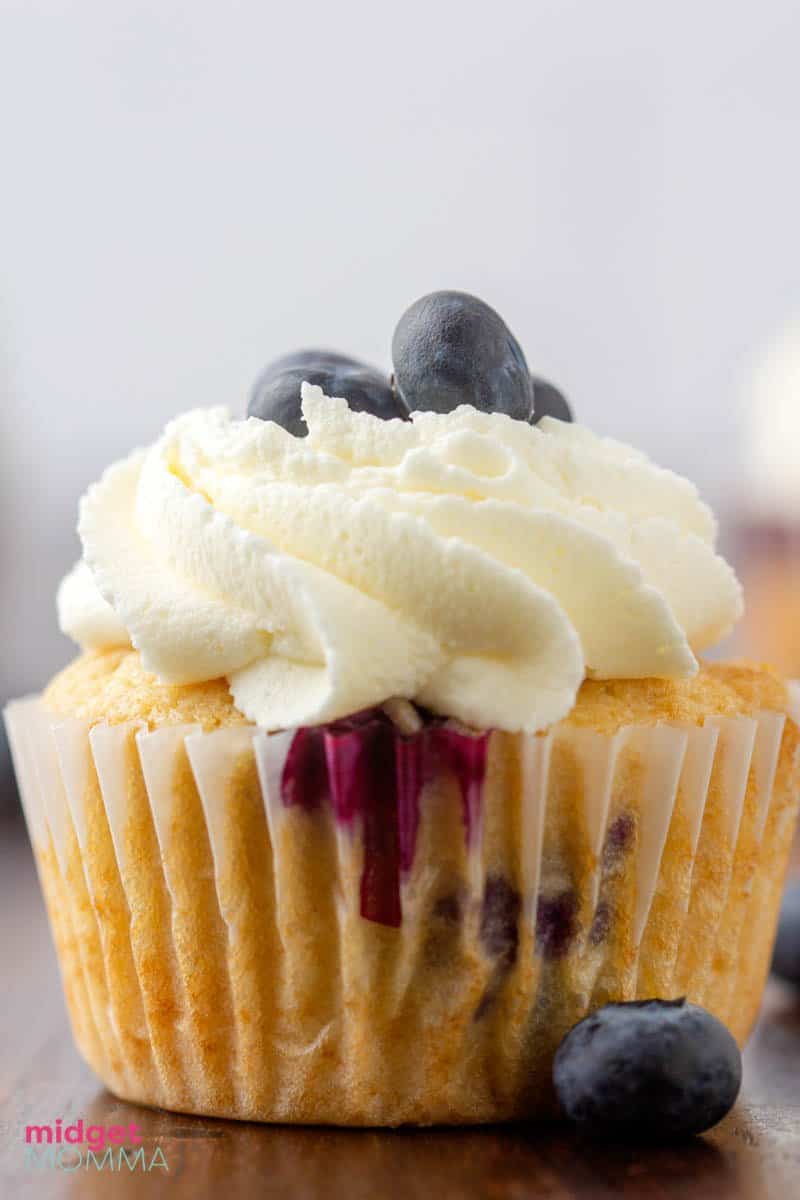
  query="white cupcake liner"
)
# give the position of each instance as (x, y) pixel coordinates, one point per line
(631, 794)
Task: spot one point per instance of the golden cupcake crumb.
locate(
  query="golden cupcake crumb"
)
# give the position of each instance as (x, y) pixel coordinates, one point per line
(718, 689)
(113, 686)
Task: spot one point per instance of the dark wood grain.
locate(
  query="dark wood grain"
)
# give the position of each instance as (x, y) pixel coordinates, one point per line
(753, 1155)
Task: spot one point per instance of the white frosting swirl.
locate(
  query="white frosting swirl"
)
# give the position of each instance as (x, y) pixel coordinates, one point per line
(475, 564)
(84, 614)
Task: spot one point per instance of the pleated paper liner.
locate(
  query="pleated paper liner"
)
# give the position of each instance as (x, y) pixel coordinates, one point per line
(357, 926)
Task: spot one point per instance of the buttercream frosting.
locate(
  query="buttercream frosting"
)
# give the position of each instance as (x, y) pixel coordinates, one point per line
(475, 564)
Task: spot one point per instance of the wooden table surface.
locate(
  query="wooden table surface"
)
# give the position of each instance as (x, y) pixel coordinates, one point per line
(753, 1154)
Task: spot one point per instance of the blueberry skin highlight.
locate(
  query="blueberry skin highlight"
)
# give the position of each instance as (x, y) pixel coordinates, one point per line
(276, 393)
(548, 401)
(786, 955)
(652, 1070)
(450, 348)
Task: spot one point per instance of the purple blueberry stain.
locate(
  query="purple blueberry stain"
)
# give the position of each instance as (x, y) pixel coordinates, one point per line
(362, 782)
(466, 756)
(499, 927)
(304, 780)
(618, 839)
(618, 842)
(499, 934)
(448, 908)
(601, 923)
(409, 755)
(367, 770)
(346, 754)
(556, 923)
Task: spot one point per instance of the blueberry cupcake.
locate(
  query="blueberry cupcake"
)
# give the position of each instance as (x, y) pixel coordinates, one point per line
(389, 731)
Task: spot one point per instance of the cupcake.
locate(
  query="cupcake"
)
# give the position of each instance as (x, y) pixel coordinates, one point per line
(389, 755)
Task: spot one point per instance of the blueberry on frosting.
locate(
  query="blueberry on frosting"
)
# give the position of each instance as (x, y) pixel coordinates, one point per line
(450, 348)
(548, 401)
(276, 394)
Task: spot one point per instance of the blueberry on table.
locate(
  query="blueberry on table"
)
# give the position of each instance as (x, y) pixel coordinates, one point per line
(450, 348)
(548, 401)
(276, 393)
(786, 955)
(647, 1070)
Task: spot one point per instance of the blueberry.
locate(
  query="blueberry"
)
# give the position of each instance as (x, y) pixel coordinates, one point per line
(601, 923)
(649, 1070)
(556, 918)
(548, 401)
(450, 348)
(276, 394)
(618, 840)
(449, 908)
(786, 955)
(499, 930)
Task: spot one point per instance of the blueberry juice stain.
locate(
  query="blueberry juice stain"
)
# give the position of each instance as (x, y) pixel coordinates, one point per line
(367, 770)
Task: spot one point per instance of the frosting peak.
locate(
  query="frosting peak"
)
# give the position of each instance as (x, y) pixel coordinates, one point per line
(471, 562)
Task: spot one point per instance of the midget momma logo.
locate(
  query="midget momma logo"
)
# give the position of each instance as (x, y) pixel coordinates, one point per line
(75, 1147)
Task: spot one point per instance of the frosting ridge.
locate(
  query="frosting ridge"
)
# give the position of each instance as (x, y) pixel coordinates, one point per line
(468, 561)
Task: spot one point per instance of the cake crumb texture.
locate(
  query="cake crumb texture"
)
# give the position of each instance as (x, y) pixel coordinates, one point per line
(718, 689)
(113, 686)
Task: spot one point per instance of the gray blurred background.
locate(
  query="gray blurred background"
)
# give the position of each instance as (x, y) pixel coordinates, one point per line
(189, 189)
